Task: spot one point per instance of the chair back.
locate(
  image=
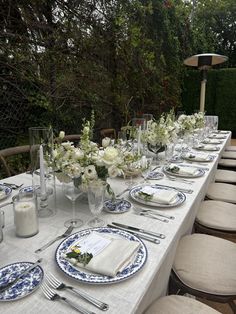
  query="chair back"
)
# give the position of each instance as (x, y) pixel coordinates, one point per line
(108, 133)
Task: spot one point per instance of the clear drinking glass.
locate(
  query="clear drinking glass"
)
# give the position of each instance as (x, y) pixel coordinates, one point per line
(72, 192)
(96, 193)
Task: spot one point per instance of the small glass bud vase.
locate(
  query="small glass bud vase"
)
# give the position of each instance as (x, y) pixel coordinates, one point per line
(25, 213)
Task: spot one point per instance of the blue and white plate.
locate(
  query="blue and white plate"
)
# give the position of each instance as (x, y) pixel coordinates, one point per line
(24, 286)
(198, 173)
(154, 175)
(27, 189)
(5, 191)
(117, 207)
(92, 278)
(194, 157)
(134, 194)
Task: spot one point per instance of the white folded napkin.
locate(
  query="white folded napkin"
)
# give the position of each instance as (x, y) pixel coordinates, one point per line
(2, 194)
(212, 141)
(198, 157)
(183, 169)
(208, 147)
(219, 136)
(160, 196)
(110, 255)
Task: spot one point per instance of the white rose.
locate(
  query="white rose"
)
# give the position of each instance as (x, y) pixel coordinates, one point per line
(110, 155)
(106, 142)
(61, 135)
(90, 172)
(113, 171)
(78, 153)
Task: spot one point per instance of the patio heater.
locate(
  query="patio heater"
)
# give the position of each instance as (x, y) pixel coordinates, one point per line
(204, 62)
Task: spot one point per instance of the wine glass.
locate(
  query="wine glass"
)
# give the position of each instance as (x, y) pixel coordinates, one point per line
(72, 192)
(96, 192)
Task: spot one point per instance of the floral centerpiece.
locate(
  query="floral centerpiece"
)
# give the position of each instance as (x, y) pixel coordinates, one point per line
(163, 131)
(189, 123)
(88, 162)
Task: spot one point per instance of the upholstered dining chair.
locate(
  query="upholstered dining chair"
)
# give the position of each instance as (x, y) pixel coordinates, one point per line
(228, 155)
(227, 164)
(225, 176)
(108, 133)
(221, 192)
(6, 153)
(177, 304)
(231, 148)
(216, 218)
(204, 266)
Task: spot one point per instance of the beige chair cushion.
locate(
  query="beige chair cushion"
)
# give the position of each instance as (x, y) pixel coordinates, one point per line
(227, 162)
(207, 264)
(177, 304)
(225, 176)
(217, 215)
(229, 155)
(231, 148)
(222, 192)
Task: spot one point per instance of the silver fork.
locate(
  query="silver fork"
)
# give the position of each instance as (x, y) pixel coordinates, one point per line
(179, 179)
(51, 295)
(58, 285)
(64, 235)
(13, 185)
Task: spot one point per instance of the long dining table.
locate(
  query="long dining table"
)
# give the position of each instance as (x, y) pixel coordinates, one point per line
(132, 295)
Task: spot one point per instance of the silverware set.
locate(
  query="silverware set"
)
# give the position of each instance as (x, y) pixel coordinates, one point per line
(58, 285)
(154, 214)
(141, 233)
(12, 185)
(53, 296)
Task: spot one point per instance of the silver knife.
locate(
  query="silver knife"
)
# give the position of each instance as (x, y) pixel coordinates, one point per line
(142, 236)
(158, 235)
(26, 271)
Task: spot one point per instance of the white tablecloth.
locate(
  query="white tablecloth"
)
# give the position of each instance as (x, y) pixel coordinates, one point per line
(130, 296)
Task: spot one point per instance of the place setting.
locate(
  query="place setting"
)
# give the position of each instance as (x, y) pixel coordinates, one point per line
(207, 147)
(183, 171)
(198, 157)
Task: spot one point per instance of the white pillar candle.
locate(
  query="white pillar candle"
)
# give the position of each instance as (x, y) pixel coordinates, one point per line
(42, 172)
(25, 217)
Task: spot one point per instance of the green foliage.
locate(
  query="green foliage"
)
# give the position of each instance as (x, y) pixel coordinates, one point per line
(220, 95)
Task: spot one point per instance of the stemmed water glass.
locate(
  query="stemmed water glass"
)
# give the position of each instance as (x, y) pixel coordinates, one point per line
(72, 192)
(96, 192)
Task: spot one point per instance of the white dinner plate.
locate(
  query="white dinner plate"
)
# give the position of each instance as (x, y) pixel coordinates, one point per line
(134, 194)
(24, 286)
(199, 172)
(5, 191)
(84, 275)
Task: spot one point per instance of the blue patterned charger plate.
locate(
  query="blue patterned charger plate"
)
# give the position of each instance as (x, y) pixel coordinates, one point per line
(154, 175)
(179, 199)
(84, 275)
(117, 207)
(5, 191)
(24, 286)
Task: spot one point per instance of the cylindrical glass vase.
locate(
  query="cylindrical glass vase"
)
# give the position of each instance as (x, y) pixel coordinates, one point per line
(43, 178)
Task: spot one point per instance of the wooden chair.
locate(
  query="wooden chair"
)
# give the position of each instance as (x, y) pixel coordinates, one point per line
(204, 266)
(108, 133)
(8, 169)
(176, 304)
(71, 137)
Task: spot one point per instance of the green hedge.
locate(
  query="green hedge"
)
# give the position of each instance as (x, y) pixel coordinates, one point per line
(220, 95)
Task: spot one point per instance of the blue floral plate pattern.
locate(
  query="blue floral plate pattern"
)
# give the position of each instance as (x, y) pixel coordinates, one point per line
(154, 175)
(117, 207)
(24, 286)
(6, 191)
(92, 278)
